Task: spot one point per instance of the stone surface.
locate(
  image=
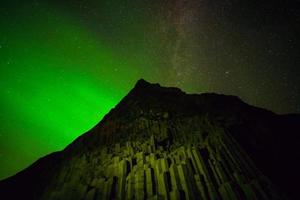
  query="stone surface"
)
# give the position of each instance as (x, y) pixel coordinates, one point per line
(160, 143)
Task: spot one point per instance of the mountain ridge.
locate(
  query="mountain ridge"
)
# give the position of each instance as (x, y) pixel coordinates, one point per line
(170, 115)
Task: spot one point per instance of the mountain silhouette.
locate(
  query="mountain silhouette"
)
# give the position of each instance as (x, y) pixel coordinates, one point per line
(161, 143)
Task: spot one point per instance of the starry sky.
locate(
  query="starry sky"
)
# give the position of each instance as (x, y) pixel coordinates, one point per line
(65, 64)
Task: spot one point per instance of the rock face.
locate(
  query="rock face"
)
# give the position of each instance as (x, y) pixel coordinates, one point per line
(160, 143)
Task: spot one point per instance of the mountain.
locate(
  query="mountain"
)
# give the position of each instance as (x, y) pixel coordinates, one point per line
(161, 143)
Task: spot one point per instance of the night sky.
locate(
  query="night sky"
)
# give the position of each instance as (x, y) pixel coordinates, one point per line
(64, 64)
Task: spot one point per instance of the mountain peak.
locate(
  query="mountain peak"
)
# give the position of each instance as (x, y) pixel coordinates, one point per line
(142, 82)
(218, 144)
(146, 87)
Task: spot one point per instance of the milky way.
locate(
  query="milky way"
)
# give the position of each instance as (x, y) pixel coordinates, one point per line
(64, 64)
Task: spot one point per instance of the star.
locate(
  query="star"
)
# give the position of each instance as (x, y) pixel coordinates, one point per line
(81, 50)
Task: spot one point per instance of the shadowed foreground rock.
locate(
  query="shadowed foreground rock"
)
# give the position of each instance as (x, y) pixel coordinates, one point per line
(160, 143)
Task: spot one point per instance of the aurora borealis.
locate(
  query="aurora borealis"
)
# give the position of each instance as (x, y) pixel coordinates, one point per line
(64, 65)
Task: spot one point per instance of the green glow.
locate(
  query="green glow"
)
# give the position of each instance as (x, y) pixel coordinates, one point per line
(64, 64)
(54, 86)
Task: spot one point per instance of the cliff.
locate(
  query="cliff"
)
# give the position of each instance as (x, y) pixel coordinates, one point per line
(161, 143)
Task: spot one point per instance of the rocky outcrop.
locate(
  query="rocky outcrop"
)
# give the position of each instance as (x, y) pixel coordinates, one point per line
(216, 168)
(160, 143)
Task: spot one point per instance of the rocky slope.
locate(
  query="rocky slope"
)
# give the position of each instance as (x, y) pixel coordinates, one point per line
(161, 143)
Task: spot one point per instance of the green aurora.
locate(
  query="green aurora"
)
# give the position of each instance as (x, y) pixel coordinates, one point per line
(65, 64)
(57, 82)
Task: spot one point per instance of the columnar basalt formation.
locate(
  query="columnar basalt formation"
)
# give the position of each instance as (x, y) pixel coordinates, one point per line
(160, 143)
(216, 168)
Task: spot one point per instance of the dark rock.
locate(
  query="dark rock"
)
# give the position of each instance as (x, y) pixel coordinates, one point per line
(161, 143)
